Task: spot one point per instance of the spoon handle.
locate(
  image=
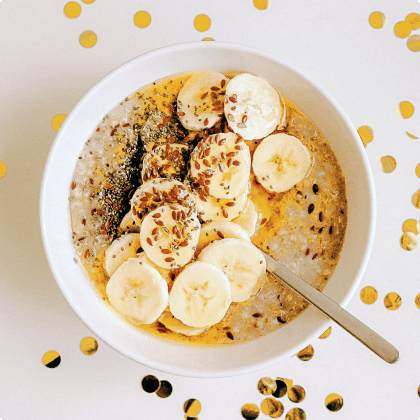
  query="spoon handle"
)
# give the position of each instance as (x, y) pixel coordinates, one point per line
(356, 328)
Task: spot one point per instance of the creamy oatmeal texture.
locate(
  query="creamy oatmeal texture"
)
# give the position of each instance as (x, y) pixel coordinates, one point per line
(144, 139)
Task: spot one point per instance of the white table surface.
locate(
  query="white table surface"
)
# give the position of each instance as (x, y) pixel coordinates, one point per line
(44, 71)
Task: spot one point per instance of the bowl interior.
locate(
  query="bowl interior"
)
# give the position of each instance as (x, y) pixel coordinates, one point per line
(55, 219)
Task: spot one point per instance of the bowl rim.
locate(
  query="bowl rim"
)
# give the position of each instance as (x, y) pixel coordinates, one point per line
(97, 87)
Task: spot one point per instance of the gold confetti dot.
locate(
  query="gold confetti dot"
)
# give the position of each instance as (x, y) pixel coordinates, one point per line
(267, 386)
(414, 20)
(387, 164)
(412, 136)
(164, 390)
(88, 1)
(413, 43)
(410, 225)
(418, 170)
(368, 295)
(296, 394)
(250, 411)
(3, 169)
(325, 334)
(405, 109)
(334, 402)
(415, 199)
(409, 241)
(72, 10)
(207, 39)
(142, 19)
(296, 414)
(366, 133)
(377, 20)
(392, 301)
(150, 384)
(402, 29)
(88, 39)
(202, 23)
(57, 121)
(262, 4)
(89, 346)
(192, 407)
(418, 391)
(281, 388)
(417, 301)
(306, 354)
(272, 408)
(51, 359)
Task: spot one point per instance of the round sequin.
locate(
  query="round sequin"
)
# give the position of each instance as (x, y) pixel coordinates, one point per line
(3, 169)
(334, 402)
(267, 386)
(387, 164)
(414, 20)
(409, 241)
(88, 39)
(366, 134)
(250, 411)
(392, 301)
(296, 394)
(377, 20)
(164, 390)
(207, 38)
(281, 389)
(72, 10)
(150, 384)
(272, 408)
(192, 407)
(296, 414)
(89, 346)
(413, 43)
(402, 29)
(415, 199)
(405, 109)
(306, 354)
(202, 23)
(418, 170)
(417, 301)
(51, 359)
(410, 225)
(325, 334)
(142, 19)
(262, 4)
(368, 295)
(412, 136)
(88, 1)
(57, 121)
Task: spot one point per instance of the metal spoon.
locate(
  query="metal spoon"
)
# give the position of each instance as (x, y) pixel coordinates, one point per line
(356, 328)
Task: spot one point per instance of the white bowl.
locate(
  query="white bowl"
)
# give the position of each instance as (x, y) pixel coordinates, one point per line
(210, 361)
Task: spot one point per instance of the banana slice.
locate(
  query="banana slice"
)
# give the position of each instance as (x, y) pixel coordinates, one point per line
(157, 192)
(168, 161)
(220, 166)
(219, 230)
(200, 101)
(252, 106)
(223, 208)
(175, 325)
(241, 261)
(165, 273)
(128, 224)
(169, 235)
(248, 218)
(161, 128)
(121, 250)
(280, 162)
(201, 295)
(138, 292)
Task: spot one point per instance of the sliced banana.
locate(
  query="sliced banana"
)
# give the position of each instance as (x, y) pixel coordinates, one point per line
(220, 166)
(200, 101)
(165, 273)
(160, 191)
(248, 218)
(128, 224)
(168, 161)
(280, 162)
(138, 292)
(219, 230)
(252, 106)
(241, 261)
(175, 325)
(169, 235)
(121, 250)
(201, 295)
(161, 128)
